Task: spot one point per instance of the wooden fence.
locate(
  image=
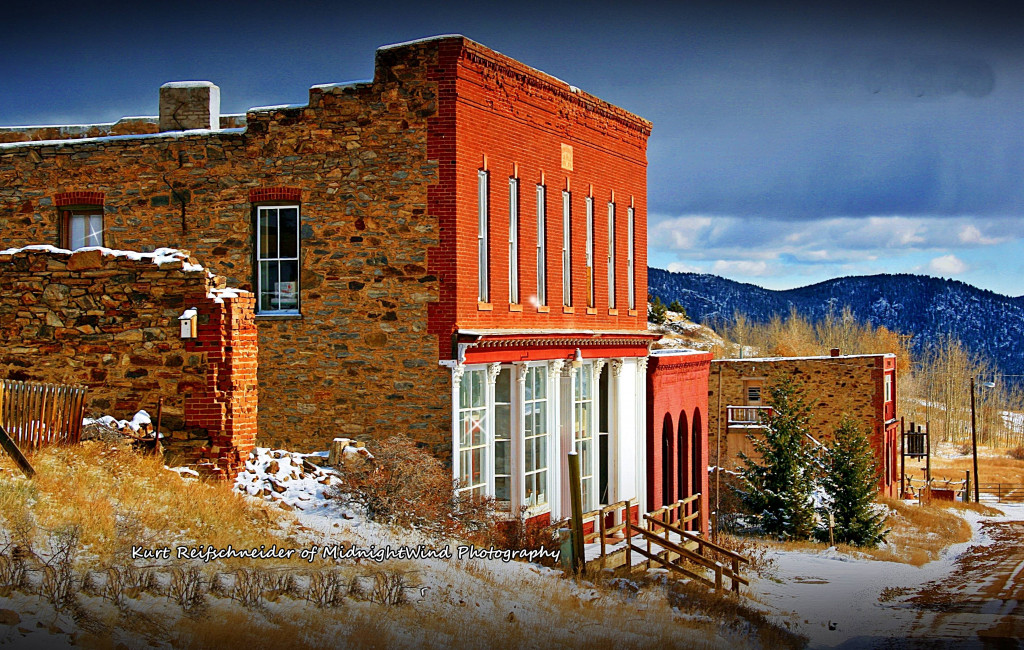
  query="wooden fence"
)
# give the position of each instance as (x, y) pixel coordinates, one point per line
(36, 414)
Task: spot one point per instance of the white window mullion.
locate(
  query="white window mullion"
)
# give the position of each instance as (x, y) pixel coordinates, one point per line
(566, 249)
(590, 251)
(611, 256)
(630, 225)
(513, 241)
(542, 254)
(483, 286)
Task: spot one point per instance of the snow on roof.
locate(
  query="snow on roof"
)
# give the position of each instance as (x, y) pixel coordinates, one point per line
(158, 257)
(812, 358)
(675, 352)
(438, 37)
(340, 84)
(189, 84)
(275, 107)
(110, 138)
(130, 118)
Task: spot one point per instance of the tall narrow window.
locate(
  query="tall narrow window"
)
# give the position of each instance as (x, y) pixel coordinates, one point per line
(535, 427)
(630, 226)
(611, 256)
(473, 427)
(583, 431)
(590, 251)
(278, 258)
(513, 241)
(566, 249)
(542, 250)
(503, 435)
(84, 228)
(483, 293)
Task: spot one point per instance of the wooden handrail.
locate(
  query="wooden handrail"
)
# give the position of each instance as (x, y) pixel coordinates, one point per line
(704, 542)
(682, 552)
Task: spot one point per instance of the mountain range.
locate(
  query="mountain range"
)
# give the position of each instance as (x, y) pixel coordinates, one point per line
(922, 306)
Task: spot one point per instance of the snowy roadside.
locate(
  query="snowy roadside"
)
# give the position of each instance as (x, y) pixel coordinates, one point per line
(834, 597)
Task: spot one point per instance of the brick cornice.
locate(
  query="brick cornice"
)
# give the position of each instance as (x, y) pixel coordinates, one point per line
(262, 194)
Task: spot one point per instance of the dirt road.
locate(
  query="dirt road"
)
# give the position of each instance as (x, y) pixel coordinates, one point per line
(979, 605)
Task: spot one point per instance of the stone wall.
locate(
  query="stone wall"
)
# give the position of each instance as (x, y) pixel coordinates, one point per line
(109, 320)
(834, 386)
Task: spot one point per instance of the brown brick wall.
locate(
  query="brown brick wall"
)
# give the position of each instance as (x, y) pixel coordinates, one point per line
(111, 322)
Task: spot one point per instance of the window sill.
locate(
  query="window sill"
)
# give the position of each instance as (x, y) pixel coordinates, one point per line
(279, 316)
(591, 310)
(632, 312)
(543, 309)
(515, 307)
(568, 310)
(613, 312)
(484, 306)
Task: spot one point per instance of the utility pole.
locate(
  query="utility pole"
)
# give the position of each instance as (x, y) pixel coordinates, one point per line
(974, 443)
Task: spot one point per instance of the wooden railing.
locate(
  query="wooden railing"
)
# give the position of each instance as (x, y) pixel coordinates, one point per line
(604, 533)
(36, 414)
(661, 523)
(746, 415)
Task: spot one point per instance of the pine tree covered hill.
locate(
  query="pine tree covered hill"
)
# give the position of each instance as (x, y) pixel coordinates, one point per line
(922, 306)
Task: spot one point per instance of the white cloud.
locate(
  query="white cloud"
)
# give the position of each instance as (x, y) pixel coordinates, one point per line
(947, 265)
(682, 267)
(754, 268)
(971, 235)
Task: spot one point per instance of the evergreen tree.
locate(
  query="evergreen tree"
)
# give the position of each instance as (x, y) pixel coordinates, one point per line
(657, 312)
(778, 489)
(850, 483)
(677, 307)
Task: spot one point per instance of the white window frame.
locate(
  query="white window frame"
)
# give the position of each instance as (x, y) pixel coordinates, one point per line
(566, 248)
(888, 387)
(611, 255)
(483, 261)
(484, 414)
(630, 226)
(261, 258)
(542, 249)
(590, 251)
(89, 227)
(513, 241)
(583, 377)
(549, 435)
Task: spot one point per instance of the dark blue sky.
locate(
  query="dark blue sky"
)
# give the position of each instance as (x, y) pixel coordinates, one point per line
(791, 142)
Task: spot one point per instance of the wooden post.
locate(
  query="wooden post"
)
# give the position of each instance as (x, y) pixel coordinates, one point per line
(629, 541)
(903, 457)
(157, 447)
(974, 443)
(967, 487)
(576, 502)
(7, 442)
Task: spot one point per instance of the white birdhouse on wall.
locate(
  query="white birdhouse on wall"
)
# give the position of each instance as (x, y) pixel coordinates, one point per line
(188, 323)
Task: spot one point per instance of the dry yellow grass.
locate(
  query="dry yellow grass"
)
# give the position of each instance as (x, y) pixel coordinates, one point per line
(994, 466)
(917, 535)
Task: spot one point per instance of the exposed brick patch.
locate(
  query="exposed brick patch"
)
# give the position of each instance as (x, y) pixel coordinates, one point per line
(261, 194)
(65, 199)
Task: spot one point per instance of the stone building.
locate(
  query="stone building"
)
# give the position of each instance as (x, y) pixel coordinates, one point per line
(862, 386)
(455, 250)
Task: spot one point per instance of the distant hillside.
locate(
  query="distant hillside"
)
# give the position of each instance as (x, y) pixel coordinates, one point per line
(923, 306)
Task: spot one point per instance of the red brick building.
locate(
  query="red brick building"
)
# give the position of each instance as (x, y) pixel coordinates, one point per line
(862, 386)
(455, 250)
(677, 428)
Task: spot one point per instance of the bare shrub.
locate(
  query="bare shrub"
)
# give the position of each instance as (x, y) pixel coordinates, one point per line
(407, 486)
(327, 589)
(187, 589)
(280, 584)
(13, 573)
(389, 588)
(964, 449)
(248, 589)
(1017, 453)
(520, 533)
(128, 581)
(58, 585)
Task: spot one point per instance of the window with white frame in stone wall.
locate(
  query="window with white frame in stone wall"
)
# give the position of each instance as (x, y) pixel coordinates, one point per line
(277, 259)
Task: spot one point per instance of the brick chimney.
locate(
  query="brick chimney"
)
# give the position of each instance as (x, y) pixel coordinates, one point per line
(189, 105)
(834, 352)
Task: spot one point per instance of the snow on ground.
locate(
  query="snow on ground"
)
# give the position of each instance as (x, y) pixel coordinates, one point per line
(286, 477)
(829, 589)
